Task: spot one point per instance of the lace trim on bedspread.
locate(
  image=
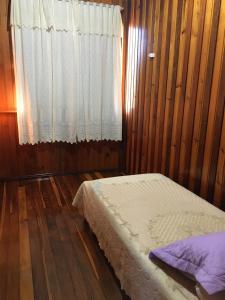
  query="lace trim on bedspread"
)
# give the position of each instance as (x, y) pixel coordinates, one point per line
(106, 192)
(163, 229)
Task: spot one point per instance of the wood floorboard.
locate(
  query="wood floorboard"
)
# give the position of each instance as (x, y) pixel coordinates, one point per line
(26, 276)
(106, 277)
(38, 270)
(13, 250)
(4, 244)
(47, 250)
(72, 183)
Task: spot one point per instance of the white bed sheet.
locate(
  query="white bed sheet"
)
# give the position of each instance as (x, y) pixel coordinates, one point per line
(131, 215)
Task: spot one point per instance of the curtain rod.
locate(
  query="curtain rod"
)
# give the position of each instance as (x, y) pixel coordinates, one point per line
(94, 3)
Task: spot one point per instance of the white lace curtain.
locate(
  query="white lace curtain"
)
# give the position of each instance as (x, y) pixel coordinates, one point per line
(67, 58)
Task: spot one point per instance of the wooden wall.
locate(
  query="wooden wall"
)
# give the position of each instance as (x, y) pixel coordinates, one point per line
(175, 102)
(26, 160)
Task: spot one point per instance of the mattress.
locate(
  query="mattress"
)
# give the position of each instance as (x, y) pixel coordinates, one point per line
(132, 215)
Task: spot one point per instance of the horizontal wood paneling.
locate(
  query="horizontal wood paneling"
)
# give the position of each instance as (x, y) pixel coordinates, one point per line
(25, 160)
(19, 161)
(175, 102)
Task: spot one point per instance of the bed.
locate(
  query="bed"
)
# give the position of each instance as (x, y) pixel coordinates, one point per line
(132, 215)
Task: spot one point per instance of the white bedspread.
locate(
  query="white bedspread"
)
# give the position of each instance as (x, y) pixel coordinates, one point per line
(131, 215)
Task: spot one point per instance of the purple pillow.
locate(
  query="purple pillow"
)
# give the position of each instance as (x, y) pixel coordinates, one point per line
(203, 257)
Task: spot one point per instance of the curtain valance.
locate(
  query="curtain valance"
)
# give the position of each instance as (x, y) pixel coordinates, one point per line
(60, 15)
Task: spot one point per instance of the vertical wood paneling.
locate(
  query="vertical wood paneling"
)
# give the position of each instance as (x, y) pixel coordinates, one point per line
(149, 68)
(163, 72)
(191, 89)
(132, 66)
(171, 84)
(155, 82)
(181, 83)
(26, 160)
(140, 89)
(220, 178)
(203, 94)
(216, 109)
(181, 107)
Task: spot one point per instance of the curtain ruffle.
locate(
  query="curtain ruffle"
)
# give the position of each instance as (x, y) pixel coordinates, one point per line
(73, 15)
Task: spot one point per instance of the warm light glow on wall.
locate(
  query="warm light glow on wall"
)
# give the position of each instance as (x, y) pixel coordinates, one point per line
(132, 63)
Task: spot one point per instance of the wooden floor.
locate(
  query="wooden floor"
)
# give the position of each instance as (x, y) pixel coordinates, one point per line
(47, 251)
